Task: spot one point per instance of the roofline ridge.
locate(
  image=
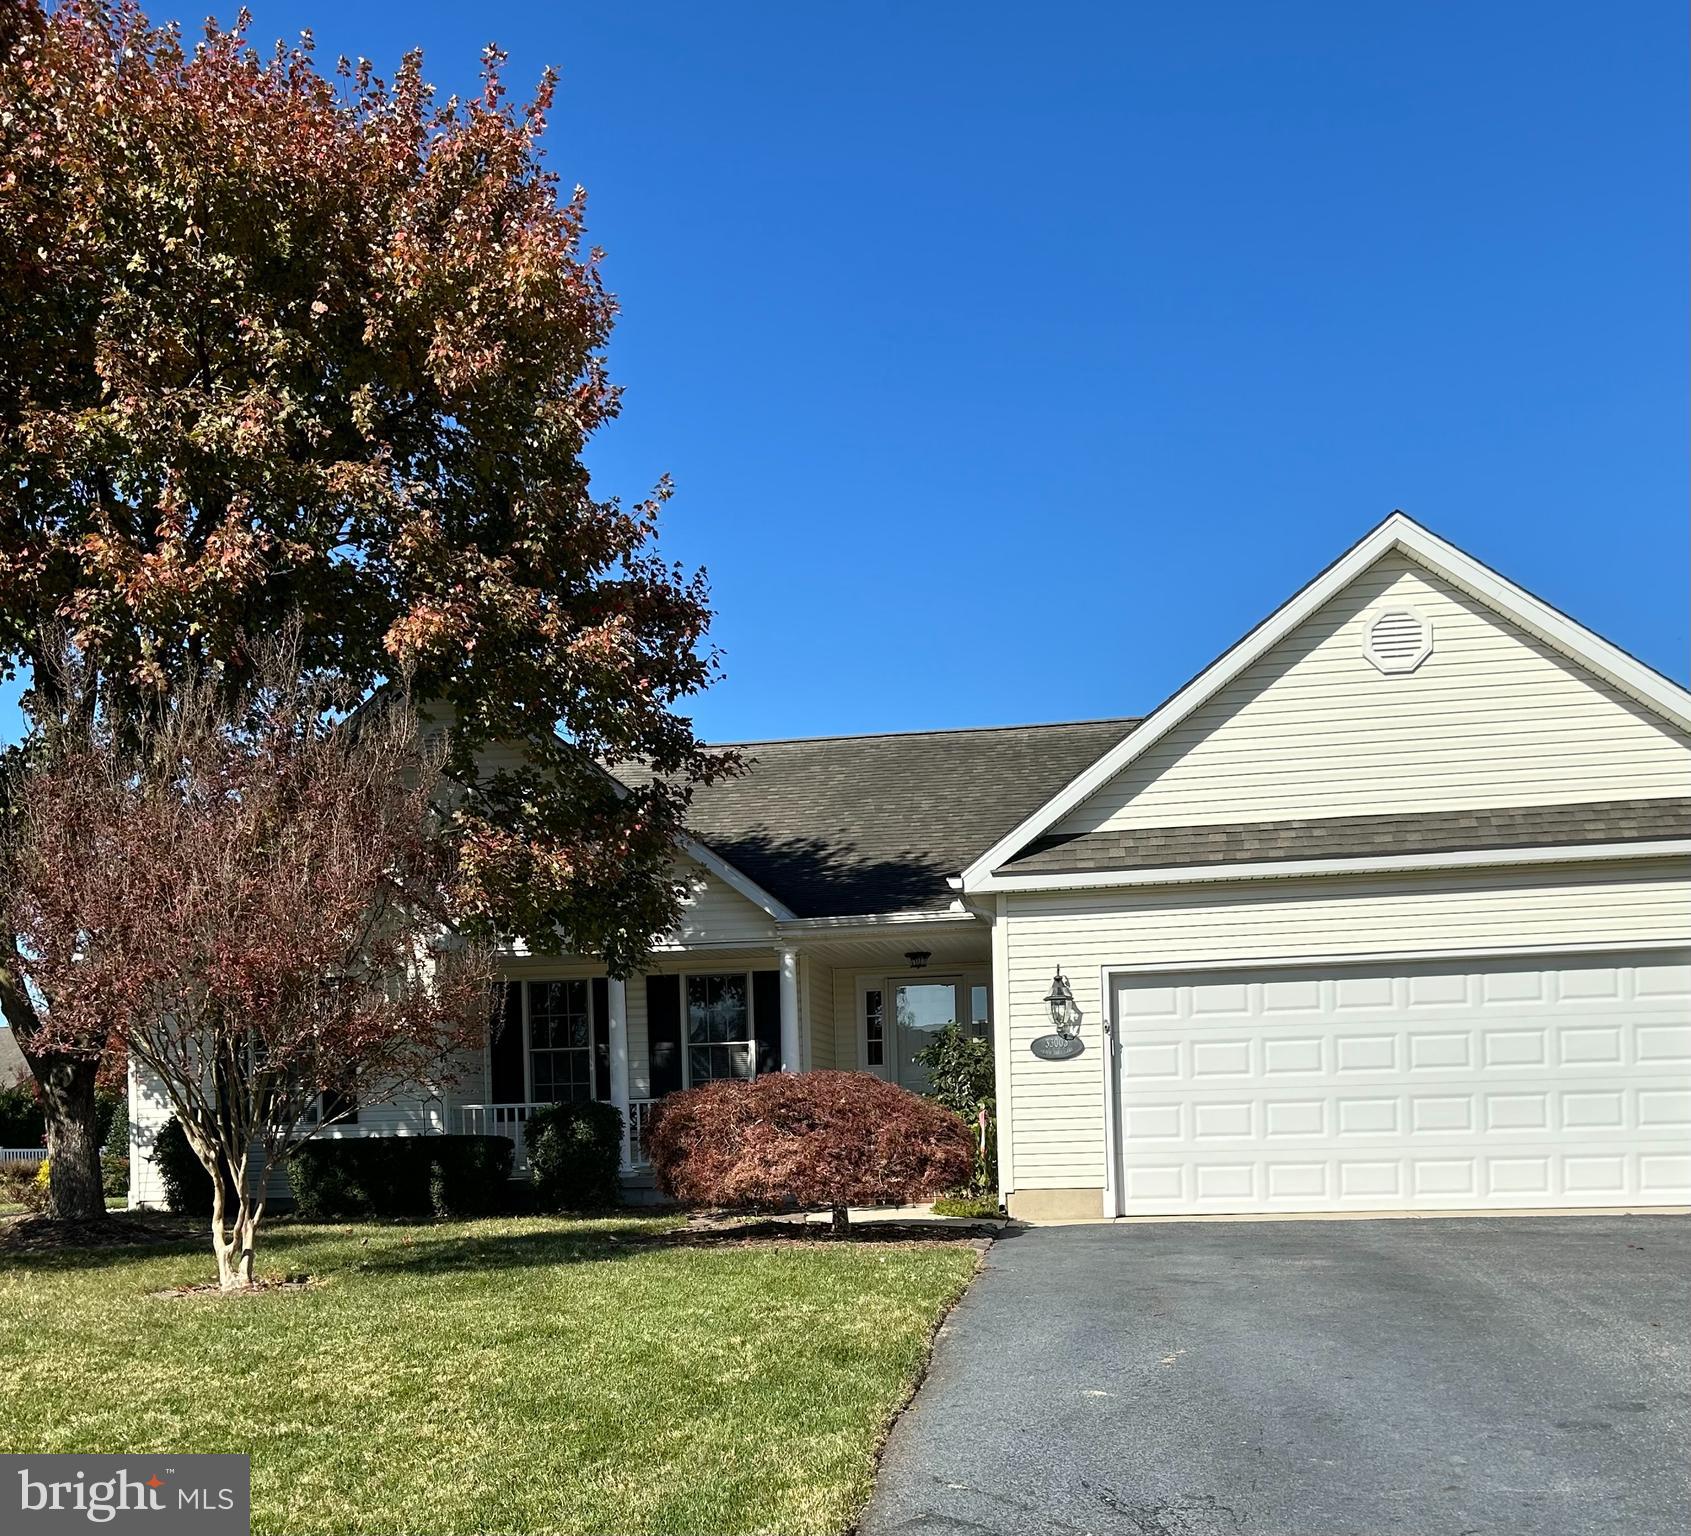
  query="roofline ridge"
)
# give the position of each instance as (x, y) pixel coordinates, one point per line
(939, 730)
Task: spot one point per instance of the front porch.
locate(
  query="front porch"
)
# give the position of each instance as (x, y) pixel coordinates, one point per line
(864, 996)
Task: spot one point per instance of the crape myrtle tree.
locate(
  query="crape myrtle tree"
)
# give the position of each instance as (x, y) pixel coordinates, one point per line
(281, 341)
(256, 904)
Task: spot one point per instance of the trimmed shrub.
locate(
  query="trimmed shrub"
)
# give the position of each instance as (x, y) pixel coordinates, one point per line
(809, 1139)
(470, 1175)
(575, 1154)
(968, 1205)
(359, 1177)
(414, 1177)
(187, 1185)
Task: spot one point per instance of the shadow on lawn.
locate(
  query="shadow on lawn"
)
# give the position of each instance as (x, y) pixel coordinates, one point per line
(420, 1249)
(37, 1242)
(326, 1249)
(427, 1253)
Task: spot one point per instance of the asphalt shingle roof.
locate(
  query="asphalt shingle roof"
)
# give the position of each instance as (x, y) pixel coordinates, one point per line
(1338, 837)
(843, 826)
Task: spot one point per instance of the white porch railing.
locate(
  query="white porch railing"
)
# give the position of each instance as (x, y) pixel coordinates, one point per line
(512, 1119)
(23, 1154)
(499, 1120)
(639, 1118)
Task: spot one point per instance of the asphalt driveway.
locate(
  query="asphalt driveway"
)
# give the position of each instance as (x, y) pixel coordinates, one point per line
(1525, 1376)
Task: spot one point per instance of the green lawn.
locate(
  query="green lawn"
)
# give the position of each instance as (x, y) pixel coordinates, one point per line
(529, 1374)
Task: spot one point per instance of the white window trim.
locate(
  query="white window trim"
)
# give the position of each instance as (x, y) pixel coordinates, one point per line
(528, 1033)
(865, 985)
(686, 1031)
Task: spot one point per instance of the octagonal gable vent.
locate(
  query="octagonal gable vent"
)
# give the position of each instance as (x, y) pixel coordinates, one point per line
(1398, 640)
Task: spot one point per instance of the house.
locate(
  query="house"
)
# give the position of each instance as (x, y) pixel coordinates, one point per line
(13, 1068)
(1388, 909)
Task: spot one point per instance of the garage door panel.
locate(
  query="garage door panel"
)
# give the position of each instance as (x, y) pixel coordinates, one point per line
(1490, 1084)
(1364, 1183)
(1663, 1044)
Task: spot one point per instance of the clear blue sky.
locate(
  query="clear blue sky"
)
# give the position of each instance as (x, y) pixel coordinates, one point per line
(1012, 361)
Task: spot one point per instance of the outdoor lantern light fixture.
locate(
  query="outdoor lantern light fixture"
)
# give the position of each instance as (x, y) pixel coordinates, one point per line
(1065, 1012)
(918, 958)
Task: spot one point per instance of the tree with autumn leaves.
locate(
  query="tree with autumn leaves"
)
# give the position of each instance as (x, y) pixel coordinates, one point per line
(251, 895)
(287, 346)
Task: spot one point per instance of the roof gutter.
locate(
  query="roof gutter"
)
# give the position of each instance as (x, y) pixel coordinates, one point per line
(1286, 869)
(876, 922)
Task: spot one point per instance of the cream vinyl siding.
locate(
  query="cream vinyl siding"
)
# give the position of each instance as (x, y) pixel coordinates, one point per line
(1057, 1107)
(149, 1113)
(819, 1017)
(1492, 717)
(848, 1047)
(406, 1115)
(715, 913)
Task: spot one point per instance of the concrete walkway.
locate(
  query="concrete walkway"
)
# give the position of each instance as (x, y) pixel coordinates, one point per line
(1524, 1377)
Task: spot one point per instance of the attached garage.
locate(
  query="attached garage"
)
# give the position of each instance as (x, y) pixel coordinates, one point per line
(1518, 1082)
(1388, 909)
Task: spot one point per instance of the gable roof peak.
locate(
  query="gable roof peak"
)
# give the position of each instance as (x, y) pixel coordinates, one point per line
(1397, 531)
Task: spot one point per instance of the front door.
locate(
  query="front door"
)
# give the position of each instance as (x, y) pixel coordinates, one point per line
(919, 1010)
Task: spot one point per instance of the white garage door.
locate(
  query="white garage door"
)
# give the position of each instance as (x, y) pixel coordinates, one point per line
(1549, 1081)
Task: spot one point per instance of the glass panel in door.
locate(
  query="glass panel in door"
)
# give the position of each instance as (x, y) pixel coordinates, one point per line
(920, 1008)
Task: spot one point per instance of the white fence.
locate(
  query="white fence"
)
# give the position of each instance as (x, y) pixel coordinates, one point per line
(23, 1154)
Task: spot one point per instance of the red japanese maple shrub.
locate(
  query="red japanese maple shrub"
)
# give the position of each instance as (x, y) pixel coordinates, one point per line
(810, 1139)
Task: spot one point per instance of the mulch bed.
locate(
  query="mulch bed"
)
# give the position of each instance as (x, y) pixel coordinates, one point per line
(117, 1229)
(265, 1285)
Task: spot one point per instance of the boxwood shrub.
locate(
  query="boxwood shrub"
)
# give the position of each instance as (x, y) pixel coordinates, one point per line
(400, 1176)
(574, 1154)
(469, 1175)
(187, 1185)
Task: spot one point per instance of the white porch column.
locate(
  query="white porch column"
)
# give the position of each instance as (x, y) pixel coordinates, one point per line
(617, 1033)
(790, 1011)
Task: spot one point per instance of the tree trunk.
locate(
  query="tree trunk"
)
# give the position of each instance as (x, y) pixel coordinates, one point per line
(67, 1101)
(234, 1232)
(76, 1191)
(234, 1254)
(841, 1222)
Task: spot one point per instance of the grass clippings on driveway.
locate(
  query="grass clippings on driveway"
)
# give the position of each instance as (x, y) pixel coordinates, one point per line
(523, 1375)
